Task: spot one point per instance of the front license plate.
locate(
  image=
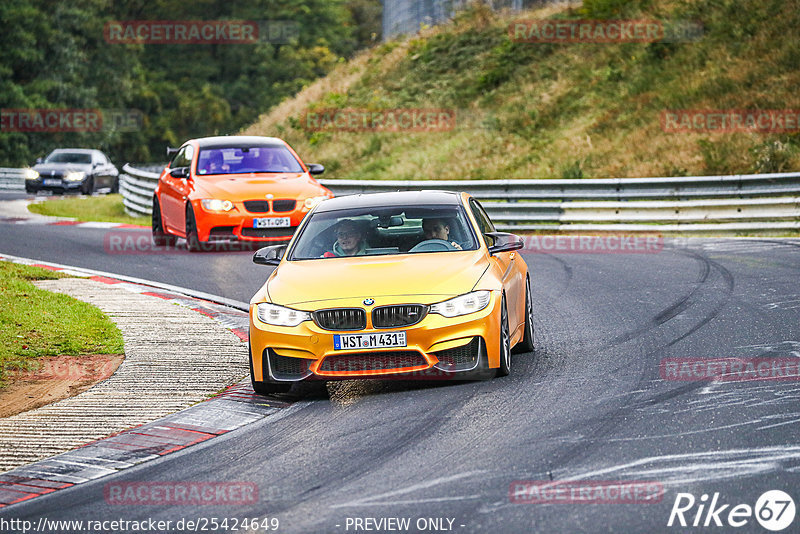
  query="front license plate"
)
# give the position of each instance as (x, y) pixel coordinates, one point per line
(51, 181)
(369, 341)
(272, 222)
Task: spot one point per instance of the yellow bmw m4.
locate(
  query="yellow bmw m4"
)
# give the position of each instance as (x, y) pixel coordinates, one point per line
(391, 285)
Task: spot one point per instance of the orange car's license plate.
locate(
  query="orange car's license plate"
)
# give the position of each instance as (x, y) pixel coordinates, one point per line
(369, 341)
(271, 222)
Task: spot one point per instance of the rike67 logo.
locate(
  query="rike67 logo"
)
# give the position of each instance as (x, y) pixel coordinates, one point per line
(774, 510)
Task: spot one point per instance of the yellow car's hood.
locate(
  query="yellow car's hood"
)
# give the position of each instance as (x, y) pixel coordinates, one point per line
(432, 276)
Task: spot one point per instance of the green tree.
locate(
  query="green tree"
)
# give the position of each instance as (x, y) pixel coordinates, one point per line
(55, 56)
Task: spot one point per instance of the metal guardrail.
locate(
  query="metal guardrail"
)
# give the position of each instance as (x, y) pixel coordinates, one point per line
(703, 204)
(619, 189)
(137, 188)
(12, 179)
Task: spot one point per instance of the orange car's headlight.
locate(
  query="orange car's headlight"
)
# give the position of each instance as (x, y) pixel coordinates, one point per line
(280, 315)
(313, 201)
(463, 304)
(215, 204)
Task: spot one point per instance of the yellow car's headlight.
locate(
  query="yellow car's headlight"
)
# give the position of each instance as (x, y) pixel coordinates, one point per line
(309, 203)
(462, 305)
(31, 174)
(215, 204)
(280, 315)
(75, 176)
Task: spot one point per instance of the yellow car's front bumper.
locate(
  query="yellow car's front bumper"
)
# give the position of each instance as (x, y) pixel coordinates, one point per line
(314, 346)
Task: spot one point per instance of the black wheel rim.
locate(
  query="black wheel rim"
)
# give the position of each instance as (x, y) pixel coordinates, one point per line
(156, 218)
(505, 338)
(529, 310)
(190, 225)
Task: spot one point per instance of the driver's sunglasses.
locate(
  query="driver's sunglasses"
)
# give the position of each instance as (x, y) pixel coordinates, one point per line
(345, 235)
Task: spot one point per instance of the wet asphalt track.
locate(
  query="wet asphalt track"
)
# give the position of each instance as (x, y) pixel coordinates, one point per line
(587, 404)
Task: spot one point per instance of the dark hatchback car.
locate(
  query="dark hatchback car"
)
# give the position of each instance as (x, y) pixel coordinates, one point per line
(73, 169)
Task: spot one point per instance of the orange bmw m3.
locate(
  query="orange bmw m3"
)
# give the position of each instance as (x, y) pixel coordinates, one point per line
(242, 188)
(391, 285)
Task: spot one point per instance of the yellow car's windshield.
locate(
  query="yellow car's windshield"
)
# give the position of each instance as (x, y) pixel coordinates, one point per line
(384, 231)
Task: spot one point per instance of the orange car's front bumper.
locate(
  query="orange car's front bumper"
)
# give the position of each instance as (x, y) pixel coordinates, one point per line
(238, 224)
(433, 334)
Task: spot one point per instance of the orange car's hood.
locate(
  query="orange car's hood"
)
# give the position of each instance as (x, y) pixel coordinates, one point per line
(239, 187)
(436, 275)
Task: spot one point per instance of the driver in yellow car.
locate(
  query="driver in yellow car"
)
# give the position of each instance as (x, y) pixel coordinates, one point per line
(350, 240)
(438, 229)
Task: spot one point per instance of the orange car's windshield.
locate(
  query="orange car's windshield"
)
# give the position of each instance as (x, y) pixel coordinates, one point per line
(384, 231)
(245, 160)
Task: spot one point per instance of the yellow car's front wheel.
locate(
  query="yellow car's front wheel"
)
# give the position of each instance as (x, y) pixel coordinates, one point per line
(526, 345)
(505, 341)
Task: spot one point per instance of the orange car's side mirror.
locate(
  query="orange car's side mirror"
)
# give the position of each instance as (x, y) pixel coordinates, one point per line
(179, 172)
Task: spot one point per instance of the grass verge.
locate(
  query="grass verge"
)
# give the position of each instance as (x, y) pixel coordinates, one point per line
(102, 208)
(36, 324)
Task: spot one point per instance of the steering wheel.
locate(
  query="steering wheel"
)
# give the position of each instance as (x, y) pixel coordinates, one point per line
(432, 245)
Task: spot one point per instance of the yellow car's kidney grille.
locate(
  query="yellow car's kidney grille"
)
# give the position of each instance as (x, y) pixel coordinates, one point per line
(398, 315)
(341, 319)
(374, 361)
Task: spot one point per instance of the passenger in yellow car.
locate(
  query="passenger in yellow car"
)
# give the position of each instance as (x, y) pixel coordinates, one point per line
(350, 240)
(438, 229)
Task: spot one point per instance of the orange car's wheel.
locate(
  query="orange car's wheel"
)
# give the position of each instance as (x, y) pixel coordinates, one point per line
(265, 387)
(526, 345)
(193, 242)
(160, 237)
(505, 341)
